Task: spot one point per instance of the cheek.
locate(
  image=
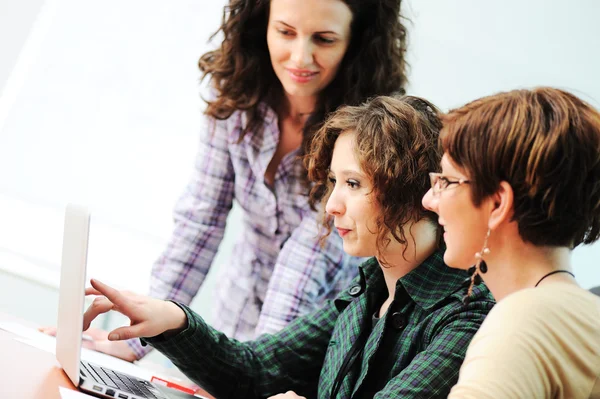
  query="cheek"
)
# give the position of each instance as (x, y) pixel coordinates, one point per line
(463, 224)
(369, 222)
(270, 44)
(276, 48)
(448, 206)
(331, 59)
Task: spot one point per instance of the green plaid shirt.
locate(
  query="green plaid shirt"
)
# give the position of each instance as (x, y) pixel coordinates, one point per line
(414, 351)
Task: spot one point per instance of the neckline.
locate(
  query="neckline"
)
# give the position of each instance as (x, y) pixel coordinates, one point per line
(551, 273)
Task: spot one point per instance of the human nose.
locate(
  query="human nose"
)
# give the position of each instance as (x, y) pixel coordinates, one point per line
(302, 54)
(430, 201)
(335, 206)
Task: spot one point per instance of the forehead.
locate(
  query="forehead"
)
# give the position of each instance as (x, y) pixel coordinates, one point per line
(344, 155)
(312, 15)
(450, 168)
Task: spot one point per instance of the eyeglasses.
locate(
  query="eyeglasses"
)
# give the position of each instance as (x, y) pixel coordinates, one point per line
(441, 183)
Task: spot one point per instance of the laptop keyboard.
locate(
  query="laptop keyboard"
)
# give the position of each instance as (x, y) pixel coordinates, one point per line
(122, 382)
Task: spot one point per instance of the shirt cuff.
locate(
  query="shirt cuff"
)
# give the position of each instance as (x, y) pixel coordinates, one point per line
(163, 342)
(140, 346)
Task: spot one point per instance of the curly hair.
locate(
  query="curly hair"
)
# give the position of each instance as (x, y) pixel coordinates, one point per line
(545, 143)
(243, 77)
(396, 144)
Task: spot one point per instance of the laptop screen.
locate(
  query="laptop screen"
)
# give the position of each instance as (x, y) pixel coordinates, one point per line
(72, 290)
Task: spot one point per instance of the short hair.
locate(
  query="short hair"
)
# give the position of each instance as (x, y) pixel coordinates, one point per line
(241, 73)
(396, 146)
(545, 143)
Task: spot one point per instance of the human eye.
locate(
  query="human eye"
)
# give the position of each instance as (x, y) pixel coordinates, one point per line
(331, 179)
(285, 32)
(324, 40)
(443, 182)
(353, 183)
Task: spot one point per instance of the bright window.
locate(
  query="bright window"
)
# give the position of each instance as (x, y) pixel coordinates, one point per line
(101, 108)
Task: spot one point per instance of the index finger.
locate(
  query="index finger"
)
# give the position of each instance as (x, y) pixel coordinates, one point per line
(92, 291)
(112, 294)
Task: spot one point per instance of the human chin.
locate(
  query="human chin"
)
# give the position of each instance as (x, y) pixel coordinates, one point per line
(349, 248)
(300, 90)
(358, 249)
(353, 248)
(455, 257)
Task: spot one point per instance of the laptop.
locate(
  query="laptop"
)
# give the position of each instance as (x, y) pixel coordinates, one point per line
(88, 377)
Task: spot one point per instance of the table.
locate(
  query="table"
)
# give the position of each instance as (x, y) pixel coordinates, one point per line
(27, 372)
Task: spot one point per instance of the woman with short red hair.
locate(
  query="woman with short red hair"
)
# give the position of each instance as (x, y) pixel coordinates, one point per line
(519, 189)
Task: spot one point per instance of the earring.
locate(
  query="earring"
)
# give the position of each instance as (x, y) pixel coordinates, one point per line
(479, 268)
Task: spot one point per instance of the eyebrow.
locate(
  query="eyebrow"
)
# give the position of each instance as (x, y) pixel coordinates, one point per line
(320, 32)
(349, 172)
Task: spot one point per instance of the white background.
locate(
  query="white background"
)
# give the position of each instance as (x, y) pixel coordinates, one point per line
(100, 105)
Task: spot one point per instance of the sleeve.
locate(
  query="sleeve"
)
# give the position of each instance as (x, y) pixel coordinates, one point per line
(226, 368)
(433, 372)
(509, 356)
(200, 215)
(304, 275)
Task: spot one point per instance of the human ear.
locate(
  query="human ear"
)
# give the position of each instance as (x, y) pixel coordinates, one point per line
(502, 205)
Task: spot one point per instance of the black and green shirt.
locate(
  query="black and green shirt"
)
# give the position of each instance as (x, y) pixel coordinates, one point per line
(414, 351)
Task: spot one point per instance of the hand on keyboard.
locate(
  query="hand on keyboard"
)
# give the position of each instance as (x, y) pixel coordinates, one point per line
(99, 342)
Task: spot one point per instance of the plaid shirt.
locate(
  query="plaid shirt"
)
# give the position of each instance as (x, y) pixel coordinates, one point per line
(414, 351)
(278, 240)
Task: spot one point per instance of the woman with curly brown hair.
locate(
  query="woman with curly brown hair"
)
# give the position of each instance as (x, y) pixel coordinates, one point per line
(519, 189)
(400, 330)
(281, 67)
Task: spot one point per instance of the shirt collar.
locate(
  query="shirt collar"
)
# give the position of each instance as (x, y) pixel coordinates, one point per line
(430, 283)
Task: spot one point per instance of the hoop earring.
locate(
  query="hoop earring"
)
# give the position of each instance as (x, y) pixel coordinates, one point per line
(479, 268)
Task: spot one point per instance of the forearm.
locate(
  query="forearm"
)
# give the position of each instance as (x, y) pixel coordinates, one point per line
(223, 367)
(184, 264)
(289, 360)
(200, 216)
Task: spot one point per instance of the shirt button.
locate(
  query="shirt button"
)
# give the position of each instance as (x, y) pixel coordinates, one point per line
(398, 321)
(355, 290)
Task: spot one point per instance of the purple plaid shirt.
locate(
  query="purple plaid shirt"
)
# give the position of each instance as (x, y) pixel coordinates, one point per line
(278, 270)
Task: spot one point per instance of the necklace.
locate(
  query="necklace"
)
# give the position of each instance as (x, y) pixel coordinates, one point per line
(554, 272)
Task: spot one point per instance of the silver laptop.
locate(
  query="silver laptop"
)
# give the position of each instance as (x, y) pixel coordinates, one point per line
(88, 377)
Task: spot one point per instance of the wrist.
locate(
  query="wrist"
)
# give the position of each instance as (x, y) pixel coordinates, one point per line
(177, 319)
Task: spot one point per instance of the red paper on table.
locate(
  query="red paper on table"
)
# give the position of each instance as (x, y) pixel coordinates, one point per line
(173, 385)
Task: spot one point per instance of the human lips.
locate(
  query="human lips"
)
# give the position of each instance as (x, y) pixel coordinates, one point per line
(342, 231)
(301, 75)
(444, 230)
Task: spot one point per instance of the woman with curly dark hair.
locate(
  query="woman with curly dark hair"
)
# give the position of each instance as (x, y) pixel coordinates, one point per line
(281, 67)
(399, 331)
(518, 191)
